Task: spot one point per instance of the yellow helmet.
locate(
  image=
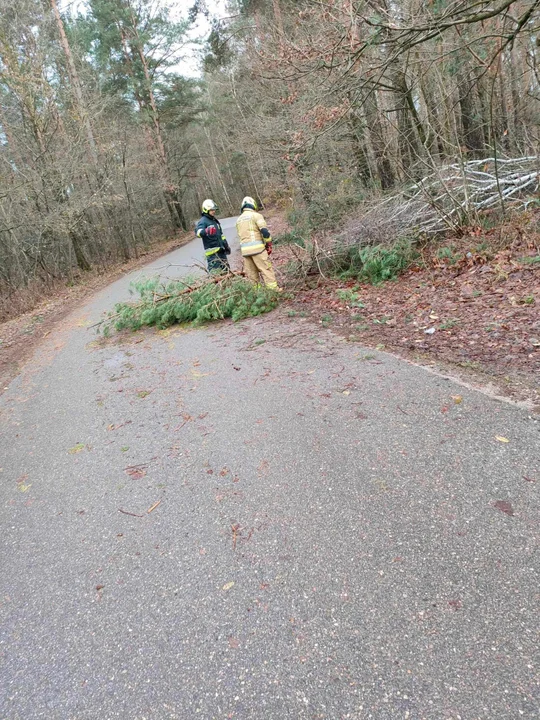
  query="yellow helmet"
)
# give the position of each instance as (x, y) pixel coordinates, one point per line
(209, 205)
(248, 201)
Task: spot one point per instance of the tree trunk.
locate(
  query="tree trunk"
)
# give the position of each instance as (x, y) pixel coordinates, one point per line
(74, 77)
(168, 187)
(409, 148)
(175, 208)
(517, 105)
(277, 16)
(472, 137)
(385, 171)
(80, 257)
(504, 130)
(434, 139)
(218, 172)
(358, 143)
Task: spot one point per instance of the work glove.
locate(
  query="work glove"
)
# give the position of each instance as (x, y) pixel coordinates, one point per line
(226, 246)
(211, 230)
(269, 247)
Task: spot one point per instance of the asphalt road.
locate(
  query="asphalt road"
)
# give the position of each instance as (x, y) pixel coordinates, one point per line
(261, 520)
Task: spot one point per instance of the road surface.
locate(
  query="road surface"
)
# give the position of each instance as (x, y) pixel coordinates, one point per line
(261, 520)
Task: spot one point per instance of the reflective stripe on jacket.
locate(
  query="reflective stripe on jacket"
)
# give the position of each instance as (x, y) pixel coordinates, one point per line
(249, 226)
(212, 243)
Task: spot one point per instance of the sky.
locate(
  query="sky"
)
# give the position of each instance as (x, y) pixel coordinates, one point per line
(178, 10)
(190, 66)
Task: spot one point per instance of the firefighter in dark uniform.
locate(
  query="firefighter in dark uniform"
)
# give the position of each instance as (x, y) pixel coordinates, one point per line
(216, 247)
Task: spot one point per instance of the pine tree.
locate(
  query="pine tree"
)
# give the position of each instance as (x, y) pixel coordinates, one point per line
(135, 45)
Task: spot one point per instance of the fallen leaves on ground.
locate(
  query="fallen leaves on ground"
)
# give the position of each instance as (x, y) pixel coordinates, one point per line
(22, 485)
(136, 473)
(483, 305)
(504, 506)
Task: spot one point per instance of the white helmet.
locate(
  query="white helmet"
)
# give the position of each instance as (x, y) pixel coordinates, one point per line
(249, 201)
(209, 205)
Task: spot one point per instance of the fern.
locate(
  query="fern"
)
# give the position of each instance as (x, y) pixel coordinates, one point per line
(374, 263)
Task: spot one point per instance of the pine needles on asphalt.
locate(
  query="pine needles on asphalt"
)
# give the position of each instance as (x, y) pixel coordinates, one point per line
(190, 300)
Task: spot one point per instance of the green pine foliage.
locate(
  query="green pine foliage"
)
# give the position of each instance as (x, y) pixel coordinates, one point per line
(190, 301)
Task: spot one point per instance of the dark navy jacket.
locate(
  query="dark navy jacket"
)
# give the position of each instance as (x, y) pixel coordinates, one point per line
(212, 243)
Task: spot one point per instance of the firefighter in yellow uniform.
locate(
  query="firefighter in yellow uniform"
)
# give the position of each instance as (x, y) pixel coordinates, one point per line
(255, 245)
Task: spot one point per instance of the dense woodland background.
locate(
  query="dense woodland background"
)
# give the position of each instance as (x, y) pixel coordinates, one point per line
(320, 105)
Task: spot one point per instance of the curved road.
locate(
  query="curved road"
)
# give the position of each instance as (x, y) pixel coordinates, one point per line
(265, 521)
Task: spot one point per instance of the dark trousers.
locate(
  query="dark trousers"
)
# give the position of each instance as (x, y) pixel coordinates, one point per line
(218, 263)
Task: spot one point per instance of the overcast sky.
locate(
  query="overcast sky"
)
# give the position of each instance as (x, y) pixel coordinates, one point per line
(191, 65)
(178, 10)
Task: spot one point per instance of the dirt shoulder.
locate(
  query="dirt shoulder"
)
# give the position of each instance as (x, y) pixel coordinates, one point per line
(472, 313)
(20, 336)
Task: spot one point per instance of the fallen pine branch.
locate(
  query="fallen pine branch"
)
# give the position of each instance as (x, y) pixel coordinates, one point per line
(216, 297)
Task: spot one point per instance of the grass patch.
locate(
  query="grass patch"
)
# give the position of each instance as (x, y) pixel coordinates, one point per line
(530, 260)
(447, 254)
(448, 324)
(470, 364)
(350, 297)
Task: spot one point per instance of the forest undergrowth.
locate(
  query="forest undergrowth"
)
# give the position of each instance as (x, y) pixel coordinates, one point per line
(468, 300)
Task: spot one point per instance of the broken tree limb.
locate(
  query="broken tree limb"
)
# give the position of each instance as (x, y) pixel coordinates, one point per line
(215, 297)
(160, 298)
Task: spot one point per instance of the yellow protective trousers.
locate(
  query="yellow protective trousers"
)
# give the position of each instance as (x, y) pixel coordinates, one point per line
(257, 266)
